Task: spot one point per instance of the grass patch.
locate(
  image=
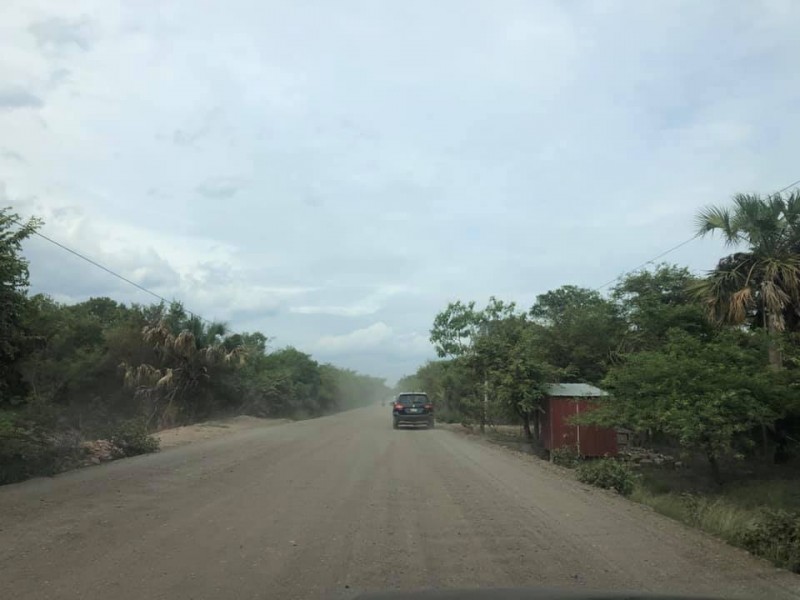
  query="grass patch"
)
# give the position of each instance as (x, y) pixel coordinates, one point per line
(671, 505)
(780, 494)
(762, 517)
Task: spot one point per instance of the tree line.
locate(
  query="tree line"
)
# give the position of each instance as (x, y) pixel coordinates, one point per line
(102, 368)
(710, 363)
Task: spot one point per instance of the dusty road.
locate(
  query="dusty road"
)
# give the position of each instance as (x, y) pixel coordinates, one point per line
(319, 508)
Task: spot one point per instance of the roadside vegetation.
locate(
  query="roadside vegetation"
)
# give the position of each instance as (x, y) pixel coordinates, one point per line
(103, 370)
(703, 368)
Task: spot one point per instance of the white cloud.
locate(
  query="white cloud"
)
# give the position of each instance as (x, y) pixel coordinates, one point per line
(369, 305)
(56, 33)
(375, 343)
(219, 188)
(360, 340)
(12, 98)
(333, 176)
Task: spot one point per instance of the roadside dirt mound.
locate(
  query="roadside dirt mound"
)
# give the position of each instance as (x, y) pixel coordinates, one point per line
(98, 451)
(179, 436)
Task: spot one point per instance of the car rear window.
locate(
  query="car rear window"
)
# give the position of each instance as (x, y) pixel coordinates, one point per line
(409, 399)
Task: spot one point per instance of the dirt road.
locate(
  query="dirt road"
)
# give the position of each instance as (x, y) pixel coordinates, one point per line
(320, 508)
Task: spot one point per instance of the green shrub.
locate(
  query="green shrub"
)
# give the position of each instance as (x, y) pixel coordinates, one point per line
(28, 450)
(133, 438)
(775, 534)
(609, 474)
(447, 415)
(565, 457)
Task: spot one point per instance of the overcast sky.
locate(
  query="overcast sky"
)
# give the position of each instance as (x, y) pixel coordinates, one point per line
(333, 173)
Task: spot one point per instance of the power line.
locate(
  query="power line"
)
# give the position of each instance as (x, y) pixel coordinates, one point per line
(107, 270)
(644, 264)
(681, 245)
(794, 183)
(193, 314)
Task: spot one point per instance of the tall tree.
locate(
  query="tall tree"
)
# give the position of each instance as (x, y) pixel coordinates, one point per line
(654, 301)
(761, 283)
(457, 329)
(454, 329)
(13, 302)
(579, 331)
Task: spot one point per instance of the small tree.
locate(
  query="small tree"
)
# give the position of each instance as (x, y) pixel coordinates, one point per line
(516, 371)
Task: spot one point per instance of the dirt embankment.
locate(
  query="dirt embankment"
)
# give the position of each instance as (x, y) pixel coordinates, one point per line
(180, 436)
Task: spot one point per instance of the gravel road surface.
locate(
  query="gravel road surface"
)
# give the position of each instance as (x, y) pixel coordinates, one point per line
(322, 508)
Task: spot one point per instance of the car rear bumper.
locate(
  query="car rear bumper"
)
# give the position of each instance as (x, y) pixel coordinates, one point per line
(423, 418)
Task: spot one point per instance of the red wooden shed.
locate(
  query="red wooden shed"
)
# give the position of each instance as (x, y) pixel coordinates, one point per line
(565, 400)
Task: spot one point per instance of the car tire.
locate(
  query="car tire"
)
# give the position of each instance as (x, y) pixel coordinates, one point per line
(395, 424)
(431, 424)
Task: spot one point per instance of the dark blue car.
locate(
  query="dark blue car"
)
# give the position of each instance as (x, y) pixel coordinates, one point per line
(413, 408)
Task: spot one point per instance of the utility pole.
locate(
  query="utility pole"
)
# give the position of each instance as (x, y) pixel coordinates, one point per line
(485, 411)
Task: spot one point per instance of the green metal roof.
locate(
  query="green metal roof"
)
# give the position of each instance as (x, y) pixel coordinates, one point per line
(575, 390)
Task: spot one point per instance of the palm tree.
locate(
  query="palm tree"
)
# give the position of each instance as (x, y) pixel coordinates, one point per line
(762, 283)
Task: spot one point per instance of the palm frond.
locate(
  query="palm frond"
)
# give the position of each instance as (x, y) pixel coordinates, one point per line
(166, 380)
(140, 376)
(158, 334)
(786, 272)
(716, 218)
(740, 304)
(791, 213)
(237, 356)
(212, 354)
(775, 300)
(727, 291)
(185, 344)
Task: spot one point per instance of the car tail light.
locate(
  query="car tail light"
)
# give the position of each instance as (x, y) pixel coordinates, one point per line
(429, 406)
(398, 406)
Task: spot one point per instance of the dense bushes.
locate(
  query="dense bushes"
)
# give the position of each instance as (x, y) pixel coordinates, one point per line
(104, 370)
(609, 474)
(101, 369)
(565, 457)
(28, 449)
(132, 438)
(775, 534)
